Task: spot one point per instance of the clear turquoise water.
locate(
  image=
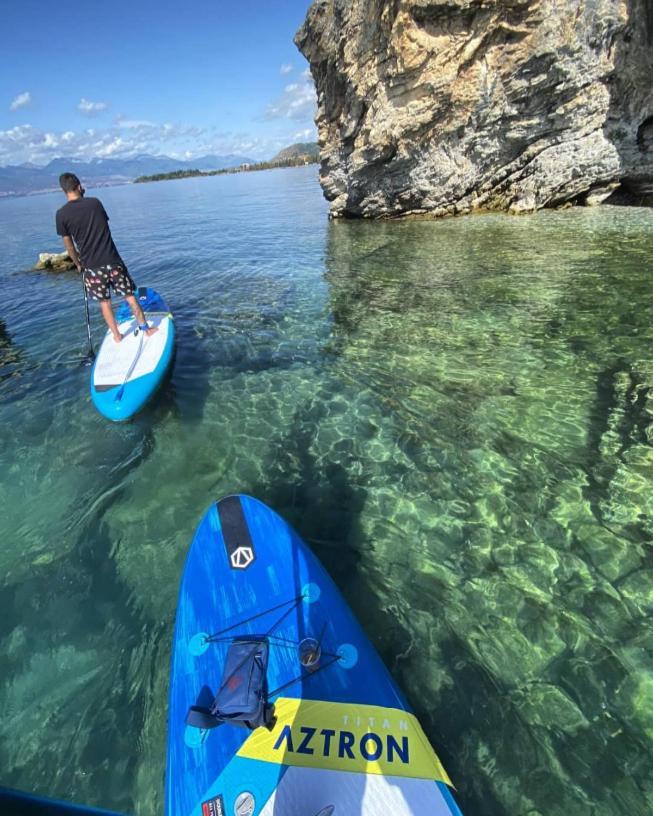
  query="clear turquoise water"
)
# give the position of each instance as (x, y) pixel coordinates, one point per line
(456, 414)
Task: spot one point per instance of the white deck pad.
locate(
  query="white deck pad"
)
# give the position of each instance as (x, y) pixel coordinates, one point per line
(309, 791)
(116, 359)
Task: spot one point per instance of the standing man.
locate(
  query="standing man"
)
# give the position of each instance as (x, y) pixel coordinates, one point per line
(84, 226)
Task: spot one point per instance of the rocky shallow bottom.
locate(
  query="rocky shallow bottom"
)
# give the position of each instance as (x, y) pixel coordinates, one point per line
(458, 417)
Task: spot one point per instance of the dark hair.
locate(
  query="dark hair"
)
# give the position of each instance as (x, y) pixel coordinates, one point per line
(69, 182)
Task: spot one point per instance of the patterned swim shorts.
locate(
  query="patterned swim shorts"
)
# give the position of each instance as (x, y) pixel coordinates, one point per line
(100, 281)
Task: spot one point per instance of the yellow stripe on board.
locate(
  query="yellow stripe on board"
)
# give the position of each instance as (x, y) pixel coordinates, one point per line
(343, 737)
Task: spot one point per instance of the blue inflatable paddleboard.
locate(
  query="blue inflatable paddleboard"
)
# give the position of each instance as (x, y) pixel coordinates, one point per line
(125, 375)
(279, 705)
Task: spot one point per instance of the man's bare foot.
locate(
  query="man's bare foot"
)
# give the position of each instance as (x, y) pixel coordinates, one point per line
(117, 337)
(151, 330)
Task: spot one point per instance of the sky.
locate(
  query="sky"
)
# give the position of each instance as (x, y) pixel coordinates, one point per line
(112, 78)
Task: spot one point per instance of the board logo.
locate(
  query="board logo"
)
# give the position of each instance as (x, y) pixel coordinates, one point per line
(242, 557)
(345, 737)
(213, 807)
(238, 542)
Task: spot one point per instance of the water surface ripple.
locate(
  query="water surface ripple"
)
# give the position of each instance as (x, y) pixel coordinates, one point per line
(457, 415)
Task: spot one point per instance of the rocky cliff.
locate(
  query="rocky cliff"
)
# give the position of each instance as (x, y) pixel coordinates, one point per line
(450, 106)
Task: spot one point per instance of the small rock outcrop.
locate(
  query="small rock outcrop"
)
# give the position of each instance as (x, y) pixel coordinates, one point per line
(55, 261)
(450, 106)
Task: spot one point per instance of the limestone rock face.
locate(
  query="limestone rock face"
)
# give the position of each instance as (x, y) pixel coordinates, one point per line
(449, 106)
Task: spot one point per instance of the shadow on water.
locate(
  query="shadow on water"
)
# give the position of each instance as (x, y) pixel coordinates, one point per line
(13, 367)
(8, 355)
(324, 506)
(320, 503)
(619, 412)
(187, 388)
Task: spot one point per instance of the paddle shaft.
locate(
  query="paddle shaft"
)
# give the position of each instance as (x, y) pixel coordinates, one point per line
(91, 351)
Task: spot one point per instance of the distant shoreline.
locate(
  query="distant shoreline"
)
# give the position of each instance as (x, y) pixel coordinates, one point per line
(165, 177)
(298, 161)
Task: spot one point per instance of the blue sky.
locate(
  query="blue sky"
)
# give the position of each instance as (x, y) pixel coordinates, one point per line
(116, 78)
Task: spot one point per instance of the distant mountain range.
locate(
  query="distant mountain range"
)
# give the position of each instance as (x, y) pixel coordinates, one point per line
(28, 178)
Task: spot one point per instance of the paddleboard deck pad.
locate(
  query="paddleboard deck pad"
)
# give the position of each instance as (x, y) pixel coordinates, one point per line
(279, 705)
(125, 375)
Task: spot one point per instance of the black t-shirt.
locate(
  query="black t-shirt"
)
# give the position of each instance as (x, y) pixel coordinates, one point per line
(85, 220)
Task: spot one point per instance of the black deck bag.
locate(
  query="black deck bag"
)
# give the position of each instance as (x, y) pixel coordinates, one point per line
(242, 698)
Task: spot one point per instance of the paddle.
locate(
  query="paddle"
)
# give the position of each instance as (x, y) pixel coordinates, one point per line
(88, 360)
(132, 366)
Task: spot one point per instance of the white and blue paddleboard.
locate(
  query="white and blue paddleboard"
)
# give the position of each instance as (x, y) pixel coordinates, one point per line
(125, 375)
(342, 740)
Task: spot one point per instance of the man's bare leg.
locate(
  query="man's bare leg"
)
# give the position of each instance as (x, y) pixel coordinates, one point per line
(110, 320)
(138, 314)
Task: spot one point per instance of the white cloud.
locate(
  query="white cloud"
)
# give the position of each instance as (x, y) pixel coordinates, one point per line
(130, 124)
(25, 143)
(104, 150)
(21, 101)
(286, 68)
(89, 108)
(297, 102)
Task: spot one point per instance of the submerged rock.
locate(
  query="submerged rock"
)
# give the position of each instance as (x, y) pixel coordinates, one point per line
(450, 106)
(56, 261)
